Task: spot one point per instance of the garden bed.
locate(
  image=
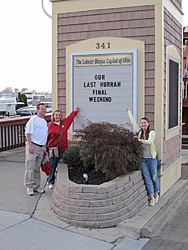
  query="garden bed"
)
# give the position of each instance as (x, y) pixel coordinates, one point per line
(98, 206)
(93, 177)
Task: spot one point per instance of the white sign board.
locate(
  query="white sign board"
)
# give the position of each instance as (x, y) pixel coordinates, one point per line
(103, 86)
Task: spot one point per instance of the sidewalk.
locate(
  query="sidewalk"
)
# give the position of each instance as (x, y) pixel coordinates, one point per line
(28, 222)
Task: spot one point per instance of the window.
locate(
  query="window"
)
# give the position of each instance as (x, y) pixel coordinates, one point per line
(173, 94)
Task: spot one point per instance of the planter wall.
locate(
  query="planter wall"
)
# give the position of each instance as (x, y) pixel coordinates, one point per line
(98, 206)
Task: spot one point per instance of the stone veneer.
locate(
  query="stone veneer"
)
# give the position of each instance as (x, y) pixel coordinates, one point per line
(98, 206)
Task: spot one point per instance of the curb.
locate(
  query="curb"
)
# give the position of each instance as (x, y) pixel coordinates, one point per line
(155, 223)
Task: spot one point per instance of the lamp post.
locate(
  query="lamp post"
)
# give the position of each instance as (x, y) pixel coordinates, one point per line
(45, 12)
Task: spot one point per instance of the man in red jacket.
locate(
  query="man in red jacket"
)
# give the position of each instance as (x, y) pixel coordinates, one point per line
(57, 137)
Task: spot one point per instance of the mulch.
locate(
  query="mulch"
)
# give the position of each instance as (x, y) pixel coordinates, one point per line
(94, 178)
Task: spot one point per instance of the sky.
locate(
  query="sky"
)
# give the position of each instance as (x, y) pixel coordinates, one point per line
(26, 44)
(185, 11)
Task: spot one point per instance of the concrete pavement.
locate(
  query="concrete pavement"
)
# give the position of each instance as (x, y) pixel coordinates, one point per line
(173, 234)
(28, 222)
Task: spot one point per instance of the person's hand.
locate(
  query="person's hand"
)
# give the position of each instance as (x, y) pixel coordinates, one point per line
(88, 121)
(31, 149)
(127, 109)
(77, 109)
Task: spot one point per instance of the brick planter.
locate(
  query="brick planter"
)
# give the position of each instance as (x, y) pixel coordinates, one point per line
(98, 206)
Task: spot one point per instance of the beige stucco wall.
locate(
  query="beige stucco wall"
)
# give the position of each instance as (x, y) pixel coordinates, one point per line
(63, 6)
(164, 140)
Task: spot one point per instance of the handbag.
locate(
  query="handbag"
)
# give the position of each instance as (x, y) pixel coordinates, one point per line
(53, 152)
(45, 164)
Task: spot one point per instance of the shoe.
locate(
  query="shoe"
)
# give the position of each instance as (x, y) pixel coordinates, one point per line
(51, 186)
(156, 199)
(40, 190)
(152, 202)
(30, 191)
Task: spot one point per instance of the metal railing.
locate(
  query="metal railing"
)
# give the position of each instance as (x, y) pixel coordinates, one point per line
(12, 132)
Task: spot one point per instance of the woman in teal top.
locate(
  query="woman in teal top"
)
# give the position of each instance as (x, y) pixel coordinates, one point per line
(148, 161)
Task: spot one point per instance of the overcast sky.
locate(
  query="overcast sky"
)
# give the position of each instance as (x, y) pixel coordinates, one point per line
(185, 10)
(25, 45)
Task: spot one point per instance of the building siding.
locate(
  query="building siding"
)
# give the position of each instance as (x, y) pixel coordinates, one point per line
(172, 36)
(179, 3)
(128, 22)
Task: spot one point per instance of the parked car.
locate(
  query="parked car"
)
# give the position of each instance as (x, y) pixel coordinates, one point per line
(28, 110)
(31, 110)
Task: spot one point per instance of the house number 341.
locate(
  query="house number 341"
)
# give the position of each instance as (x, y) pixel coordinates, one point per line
(103, 45)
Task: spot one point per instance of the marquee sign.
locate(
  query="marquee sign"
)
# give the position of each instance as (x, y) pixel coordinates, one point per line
(103, 85)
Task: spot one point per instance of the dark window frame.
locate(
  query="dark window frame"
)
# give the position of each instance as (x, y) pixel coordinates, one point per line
(173, 94)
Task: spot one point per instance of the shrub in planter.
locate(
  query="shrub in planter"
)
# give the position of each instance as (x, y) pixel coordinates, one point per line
(77, 171)
(72, 158)
(109, 148)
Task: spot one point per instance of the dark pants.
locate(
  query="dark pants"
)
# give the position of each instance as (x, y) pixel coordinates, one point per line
(53, 166)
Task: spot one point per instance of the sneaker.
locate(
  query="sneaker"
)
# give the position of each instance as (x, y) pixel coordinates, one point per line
(156, 199)
(40, 190)
(152, 202)
(30, 191)
(51, 186)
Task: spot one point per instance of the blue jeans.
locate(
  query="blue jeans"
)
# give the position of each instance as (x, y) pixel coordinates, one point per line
(149, 170)
(53, 166)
